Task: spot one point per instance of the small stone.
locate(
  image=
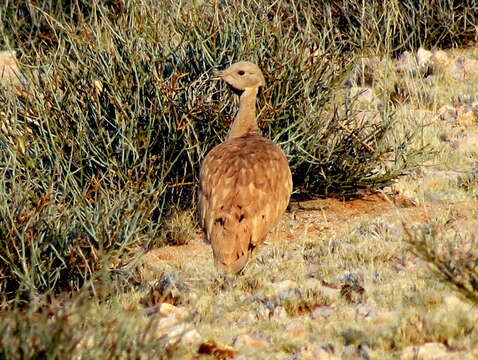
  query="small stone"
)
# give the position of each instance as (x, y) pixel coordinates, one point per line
(423, 57)
(428, 351)
(245, 341)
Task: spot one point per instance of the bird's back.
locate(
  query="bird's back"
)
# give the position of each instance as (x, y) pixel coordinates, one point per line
(245, 186)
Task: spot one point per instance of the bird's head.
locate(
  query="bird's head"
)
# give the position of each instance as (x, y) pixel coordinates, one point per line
(243, 75)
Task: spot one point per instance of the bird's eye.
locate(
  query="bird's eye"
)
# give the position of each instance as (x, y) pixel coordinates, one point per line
(240, 72)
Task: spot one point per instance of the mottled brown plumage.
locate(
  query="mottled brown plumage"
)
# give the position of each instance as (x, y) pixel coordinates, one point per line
(245, 182)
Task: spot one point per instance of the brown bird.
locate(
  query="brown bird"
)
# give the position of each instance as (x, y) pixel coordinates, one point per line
(245, 182)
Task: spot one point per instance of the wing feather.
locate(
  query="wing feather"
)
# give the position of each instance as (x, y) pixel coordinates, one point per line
(245, 186)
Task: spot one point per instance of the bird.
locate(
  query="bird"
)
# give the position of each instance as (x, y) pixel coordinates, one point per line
(245, 183)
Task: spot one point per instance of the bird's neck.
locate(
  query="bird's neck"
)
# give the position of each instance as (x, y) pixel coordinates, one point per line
(245, 122)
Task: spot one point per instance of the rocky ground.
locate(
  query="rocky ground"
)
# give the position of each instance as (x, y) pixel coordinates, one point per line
(337, 280)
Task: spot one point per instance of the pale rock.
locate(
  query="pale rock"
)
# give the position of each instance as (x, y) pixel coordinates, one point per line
(245, 341)
(150, 267)
(423, 57)
(453, 302)
(428, 351)
(414, 65)
(166, 309)
(191, 338)
(172, 327)
(440, 59)
(178, 333)
(165, 325)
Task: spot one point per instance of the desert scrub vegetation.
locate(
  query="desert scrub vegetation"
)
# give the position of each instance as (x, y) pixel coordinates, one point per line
(451, 254)
(101, 144)
(117, 110)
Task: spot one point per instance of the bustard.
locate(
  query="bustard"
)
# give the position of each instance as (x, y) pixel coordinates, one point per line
(245, 182)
